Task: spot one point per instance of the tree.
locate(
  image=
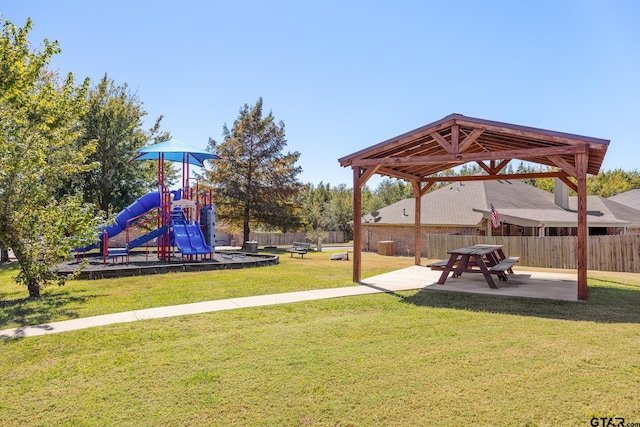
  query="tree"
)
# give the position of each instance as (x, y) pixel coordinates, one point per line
(546, 184)
(340, 211)
(4, 254)
(391, 191)
(40, 121)
(113, 121)
(326, 208)
(315, 203)
(612, 182)
(255, 182)
(387, 192)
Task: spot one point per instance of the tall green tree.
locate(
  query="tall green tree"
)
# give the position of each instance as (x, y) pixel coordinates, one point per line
(256, 182)
(611, 182)
(40, 122)
(315, 203)
(393, 190)
(113, 121)
(387, 192)
(339, 210)
(326, 208)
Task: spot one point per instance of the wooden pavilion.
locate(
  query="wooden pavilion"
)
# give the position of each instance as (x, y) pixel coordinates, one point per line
(417, 157)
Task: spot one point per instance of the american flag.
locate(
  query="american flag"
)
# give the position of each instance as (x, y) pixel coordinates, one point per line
(495, 221)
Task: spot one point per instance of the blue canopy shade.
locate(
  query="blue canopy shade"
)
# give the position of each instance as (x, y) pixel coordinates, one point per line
(176, 151)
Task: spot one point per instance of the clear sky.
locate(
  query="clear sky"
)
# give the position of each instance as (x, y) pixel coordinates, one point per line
(344, 75)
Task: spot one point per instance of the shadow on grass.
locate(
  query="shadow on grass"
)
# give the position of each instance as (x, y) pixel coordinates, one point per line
(27, 311)
(9, 266)
(606, 304)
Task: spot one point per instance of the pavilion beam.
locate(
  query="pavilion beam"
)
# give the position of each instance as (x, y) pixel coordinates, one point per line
(460, 158)
(486, 168)
(505, 176)
(564, 165)
(366, 174)
(583, 231)
(497, 168)
(572, 185)
(470, 139)
(401, 140)
(455, 139)
(443, 142)
(493, 168)
(426, 188)
(396, 174)
(522, 132)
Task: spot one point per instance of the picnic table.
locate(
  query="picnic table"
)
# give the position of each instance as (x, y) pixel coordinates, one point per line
(299, 248)
(485, 259)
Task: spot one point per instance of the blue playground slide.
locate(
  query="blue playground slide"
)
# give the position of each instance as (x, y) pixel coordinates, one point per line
(188, 237)
(143, 204)
(146, 237)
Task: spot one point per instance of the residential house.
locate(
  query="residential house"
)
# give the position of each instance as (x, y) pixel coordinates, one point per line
(631, 199)
(522, 210)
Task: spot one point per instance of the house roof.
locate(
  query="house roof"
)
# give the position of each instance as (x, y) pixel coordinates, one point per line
(458, 139)
(617, 210)
(629, 198)
(466, 204)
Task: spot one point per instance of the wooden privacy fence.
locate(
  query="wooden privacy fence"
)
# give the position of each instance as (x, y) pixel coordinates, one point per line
(273, 239)
(605, 253)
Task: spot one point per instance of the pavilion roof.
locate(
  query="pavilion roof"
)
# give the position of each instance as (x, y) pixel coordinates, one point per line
(457, 139)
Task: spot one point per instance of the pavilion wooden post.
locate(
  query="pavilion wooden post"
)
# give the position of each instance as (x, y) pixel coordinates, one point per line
(357, 225)
(419, 190)
(581, 169)
(417, 241)
(360, 177)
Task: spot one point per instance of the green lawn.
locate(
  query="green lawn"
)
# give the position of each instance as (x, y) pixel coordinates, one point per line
(405, 359)
(82, 298)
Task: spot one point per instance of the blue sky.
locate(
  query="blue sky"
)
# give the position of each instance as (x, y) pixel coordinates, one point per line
(344, 75)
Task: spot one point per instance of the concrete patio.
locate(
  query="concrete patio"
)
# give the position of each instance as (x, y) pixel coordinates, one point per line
(527, 284)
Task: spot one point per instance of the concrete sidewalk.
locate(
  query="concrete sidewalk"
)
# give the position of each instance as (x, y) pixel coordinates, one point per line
(201, 307)
(527, 284)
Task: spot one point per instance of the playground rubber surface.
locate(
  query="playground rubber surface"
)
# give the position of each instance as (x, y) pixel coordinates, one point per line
(143, 263)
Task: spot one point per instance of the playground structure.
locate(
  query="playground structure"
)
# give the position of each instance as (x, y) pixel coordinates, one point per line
(182, 219)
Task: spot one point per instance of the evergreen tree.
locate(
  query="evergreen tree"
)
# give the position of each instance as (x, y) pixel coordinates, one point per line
(340, 211)
(610, 183)
(326, 208)
(254, 182)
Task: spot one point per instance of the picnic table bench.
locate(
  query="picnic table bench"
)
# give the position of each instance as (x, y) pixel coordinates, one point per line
(300, 248)
(504, 265)
(115, 253)
(484, 259)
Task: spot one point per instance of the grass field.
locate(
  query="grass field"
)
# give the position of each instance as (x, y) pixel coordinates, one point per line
(404, 359)
(82, 298)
